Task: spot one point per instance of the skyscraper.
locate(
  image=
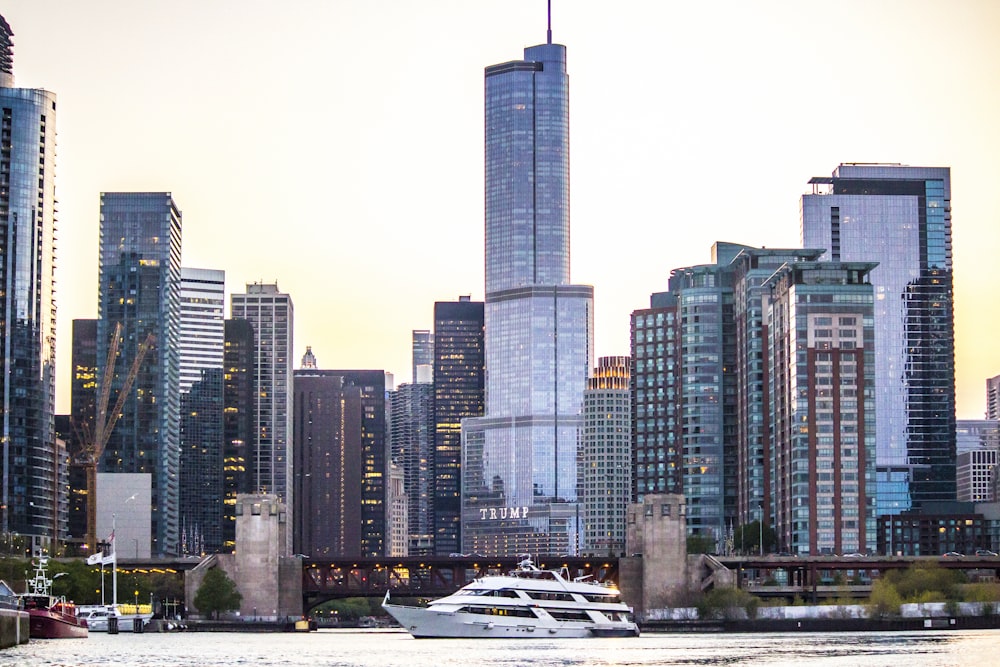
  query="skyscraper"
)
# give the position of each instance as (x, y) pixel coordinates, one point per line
(140, 289)
(27, 304)
(328, 465)
(900, 217)
(202, 329)
(271, 314)
(821, 385)
(83, 412)
(411, 444)
(606, 457)
(202, 346)
(519, 466)
(459, 393)
(423, 356)
(238, 422)
(993, 397)
(374, 458)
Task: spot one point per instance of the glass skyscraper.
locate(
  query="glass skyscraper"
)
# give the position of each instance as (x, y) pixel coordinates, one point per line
(27, 304)
(202, 346)
(519, 460)
(900, 217)
(140, 275)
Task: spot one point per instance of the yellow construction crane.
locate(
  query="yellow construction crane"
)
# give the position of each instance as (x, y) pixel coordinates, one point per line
(93, 443)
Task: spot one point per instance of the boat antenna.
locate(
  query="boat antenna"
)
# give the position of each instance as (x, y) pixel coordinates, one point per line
(549, 34)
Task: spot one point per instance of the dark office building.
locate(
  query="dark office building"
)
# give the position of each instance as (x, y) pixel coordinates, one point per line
(201, 490)
(328, 453)
(238, 422)
(412, 447)
(374, 458)
(459, 386)
(83, 410)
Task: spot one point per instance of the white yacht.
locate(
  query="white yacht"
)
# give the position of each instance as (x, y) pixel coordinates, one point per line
(528, 602)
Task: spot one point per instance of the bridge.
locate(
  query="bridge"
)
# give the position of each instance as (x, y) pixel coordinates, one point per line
(818, 577)
(426, 576)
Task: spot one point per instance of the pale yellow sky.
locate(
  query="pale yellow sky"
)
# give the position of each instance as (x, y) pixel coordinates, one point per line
(336, 146)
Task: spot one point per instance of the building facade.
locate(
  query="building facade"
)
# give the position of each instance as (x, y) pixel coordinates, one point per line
(459, 393)
(239, 422)
(411, 445)
(821, 350)
(423, 356)
(83, 411)
(993, 397)
(900, 217)
(606, 457)
(30, 490)
(272, 316)
(202, 347)
(328, 479)
(977, 442)
(519, 468)
(140, 275)
(375, 458)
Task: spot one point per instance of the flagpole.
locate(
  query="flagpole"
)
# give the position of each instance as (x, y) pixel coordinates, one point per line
(114, 564)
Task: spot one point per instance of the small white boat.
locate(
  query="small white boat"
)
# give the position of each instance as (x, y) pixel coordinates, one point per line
(97, 616)
(528, 602)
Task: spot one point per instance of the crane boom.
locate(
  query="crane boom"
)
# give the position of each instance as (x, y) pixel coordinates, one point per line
(105, 424)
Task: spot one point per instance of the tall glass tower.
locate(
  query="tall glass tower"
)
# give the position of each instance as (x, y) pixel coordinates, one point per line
(140, 276)
(900, 217)
(519, 460)
(27, 304)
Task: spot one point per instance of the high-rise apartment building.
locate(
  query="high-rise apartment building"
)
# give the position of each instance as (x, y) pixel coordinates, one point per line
(657, 461)
(900, 217)
(993, 397)
(459, 393)
(202, 347)
(29, 502)
(411, 445)
(977, 444)
(140, 275)
(239, 424)
(519, 466)
(821, 353)
(702, 393)
(606, 457)
(328, 458)
(271, 314)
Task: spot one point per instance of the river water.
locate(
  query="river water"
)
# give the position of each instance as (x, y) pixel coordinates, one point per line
(395, 648)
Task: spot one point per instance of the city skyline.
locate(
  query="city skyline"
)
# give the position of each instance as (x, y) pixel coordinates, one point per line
(382, 163)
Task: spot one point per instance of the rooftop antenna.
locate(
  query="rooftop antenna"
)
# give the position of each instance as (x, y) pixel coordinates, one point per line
(550, 22)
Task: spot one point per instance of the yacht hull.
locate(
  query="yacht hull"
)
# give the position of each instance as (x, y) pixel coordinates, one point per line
(426, 623)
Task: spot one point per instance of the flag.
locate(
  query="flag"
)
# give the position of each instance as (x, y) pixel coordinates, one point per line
(111, 537)
(94, 559)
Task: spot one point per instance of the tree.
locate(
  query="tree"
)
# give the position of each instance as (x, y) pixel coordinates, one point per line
(217, 593)
(884, 600)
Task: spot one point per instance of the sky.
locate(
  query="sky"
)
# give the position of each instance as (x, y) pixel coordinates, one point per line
(336, 146)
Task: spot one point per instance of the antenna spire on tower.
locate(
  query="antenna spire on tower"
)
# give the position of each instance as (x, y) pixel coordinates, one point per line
(550, 23)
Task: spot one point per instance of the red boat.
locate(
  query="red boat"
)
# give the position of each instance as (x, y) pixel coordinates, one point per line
(50, 616)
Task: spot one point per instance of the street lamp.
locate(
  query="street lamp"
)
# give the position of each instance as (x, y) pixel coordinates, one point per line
(760, 526)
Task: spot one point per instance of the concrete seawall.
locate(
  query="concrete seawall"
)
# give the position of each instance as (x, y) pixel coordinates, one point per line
(13, 627)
